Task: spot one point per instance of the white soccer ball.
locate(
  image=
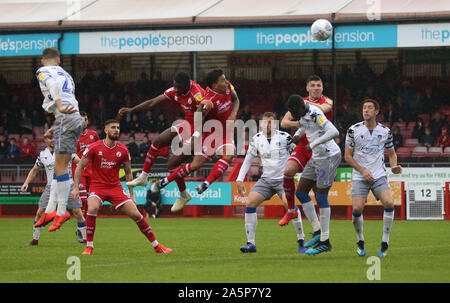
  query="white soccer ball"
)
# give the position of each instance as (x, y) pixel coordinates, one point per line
(321, 29)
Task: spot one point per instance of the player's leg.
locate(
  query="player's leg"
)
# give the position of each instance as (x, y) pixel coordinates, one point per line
(83, 194)
(173, 165)
(326, 171)
(251, 220)
(181, 172)
(81, 224)
(292, 167)
(383, 192)
(298, 226)
(47, 198)
(37, 230)
(358, 200)
(164, 139)
(304, 187)
(129, 208)
(226, 151)
(94, 204)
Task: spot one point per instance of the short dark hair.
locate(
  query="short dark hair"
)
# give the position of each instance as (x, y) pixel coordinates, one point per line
(50, 53)
(182, 78)
(295, 101)
(269, 114)
(313, 78)
(375, 103)
(108, 122)
(83, 114)
(213, 76)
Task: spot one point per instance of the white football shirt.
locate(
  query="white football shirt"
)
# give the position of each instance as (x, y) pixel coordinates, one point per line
(368, 148)
(273, 152)
(46, 159)
(49, 76)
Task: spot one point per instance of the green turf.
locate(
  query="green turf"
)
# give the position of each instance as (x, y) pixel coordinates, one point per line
(207, 250)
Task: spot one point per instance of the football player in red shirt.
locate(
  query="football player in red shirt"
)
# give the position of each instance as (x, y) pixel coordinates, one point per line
(225, 104)
(106, 157)
(187, 94)
(87, 137)
(301, 155)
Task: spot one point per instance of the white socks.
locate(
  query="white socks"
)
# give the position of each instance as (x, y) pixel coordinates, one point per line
(310, 213)
(358, 222)
(251, 221)
(52, 203)
(63, 192)
(388, 219)
(325, 214)
(298, 226)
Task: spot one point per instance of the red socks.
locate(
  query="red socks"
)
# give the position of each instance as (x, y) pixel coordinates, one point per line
(90, 229)
(152, 154)
(180, 173)
(146, 229)
(218, 170)
(289, 190)
(180, 181)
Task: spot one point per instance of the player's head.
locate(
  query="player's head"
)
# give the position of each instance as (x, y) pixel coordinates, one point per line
(50, 56)
(370, 108)
(217, 81)
(267, 122)
(296, 106)
(181, 83)
(314, 86)
(86, 120)
(112, 129)
(50, 141)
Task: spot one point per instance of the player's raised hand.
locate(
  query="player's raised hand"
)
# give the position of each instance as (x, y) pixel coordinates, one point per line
(49, 133)
(75, 193)
(367, 175)
(207, 104)
(24, 187)
(240, 188)
(68, 110)
(124, 111)
(396, 169)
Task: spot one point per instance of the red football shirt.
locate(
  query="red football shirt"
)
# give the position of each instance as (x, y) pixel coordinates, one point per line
(85, 140)
(188, 103)
(223, 105)
(106, 162)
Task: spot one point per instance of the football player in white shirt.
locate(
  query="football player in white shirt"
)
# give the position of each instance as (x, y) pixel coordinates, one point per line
(58, 89)
(46, 159)
(364, 151)
(321, 169)
(273, 147)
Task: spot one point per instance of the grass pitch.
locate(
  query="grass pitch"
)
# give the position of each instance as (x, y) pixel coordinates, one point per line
(207, 251)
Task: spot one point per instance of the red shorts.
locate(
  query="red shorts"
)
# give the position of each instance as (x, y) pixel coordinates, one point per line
(184, 130)
(114, 194)
(301, 156)
(214, 141)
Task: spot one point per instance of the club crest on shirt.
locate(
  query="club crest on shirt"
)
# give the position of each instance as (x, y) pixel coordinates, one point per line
(119, 154)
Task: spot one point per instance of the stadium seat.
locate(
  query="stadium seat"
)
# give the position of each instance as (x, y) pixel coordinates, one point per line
(411, 142)
(419, 151)
(434, 152)
(404, 152)
(139, 136)
(446, 152)
(400, 124)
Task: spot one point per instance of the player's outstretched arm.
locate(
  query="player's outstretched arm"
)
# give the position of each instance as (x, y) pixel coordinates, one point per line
(325, 108)
(129, 177)
(289, 122)
(395, 168)
(30, 177)
(76, 179)
(146, 105)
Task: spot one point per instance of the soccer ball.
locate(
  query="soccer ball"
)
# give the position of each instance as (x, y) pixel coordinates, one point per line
(321, 29)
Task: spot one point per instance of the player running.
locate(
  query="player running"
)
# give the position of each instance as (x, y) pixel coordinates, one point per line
(300, 156)
(364, 151)
(187, 94)
(321, 169)
(273, 147)
(107, 156)
(225, 102)
(58, 89)
(46, 159)
(87, 137)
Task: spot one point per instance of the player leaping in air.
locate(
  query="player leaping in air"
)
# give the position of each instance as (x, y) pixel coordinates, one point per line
(321, 169)
(187, 94)
(58, 89)
(107, 156)
(225, 102)
(273, 147)
(300, 156)
(364, 151)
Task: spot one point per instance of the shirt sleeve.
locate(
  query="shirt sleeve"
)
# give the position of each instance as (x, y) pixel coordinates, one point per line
(252, 149)
(245, 166)
(89, 153)
(389, 141)
(350, 138)
(39, 162)
(170, 93)
(127, 157)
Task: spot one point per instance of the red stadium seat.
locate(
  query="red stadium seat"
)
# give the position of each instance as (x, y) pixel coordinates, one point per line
(404, 152)
(411, 142)
(434, 152)
(400, 124)
(419, 151)
(446, 152)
